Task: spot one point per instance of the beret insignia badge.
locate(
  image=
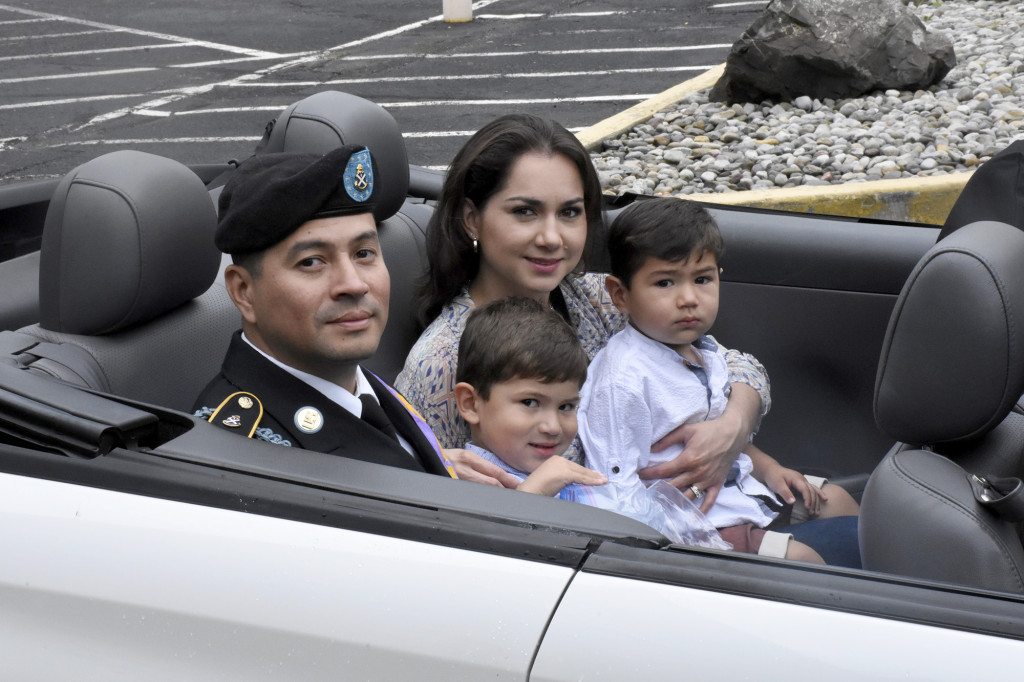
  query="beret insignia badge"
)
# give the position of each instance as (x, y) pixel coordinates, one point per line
(358, 176)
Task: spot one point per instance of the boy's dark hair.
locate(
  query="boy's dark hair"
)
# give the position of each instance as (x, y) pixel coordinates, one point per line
(518, 338)
(665, 228)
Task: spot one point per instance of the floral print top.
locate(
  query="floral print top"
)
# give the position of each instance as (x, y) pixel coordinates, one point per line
(428, 378)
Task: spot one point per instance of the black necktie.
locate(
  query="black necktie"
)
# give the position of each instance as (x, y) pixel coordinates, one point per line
(373, 414)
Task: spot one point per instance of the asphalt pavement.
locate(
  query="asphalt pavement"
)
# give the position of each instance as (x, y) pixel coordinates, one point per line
(198, 82)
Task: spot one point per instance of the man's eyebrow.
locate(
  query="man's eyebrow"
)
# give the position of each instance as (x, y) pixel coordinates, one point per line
(321, 244)
(369, 235)
(307, 245)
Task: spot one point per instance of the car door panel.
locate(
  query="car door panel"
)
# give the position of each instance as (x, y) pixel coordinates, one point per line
(614, 629)
(146, 588)
(638, 614)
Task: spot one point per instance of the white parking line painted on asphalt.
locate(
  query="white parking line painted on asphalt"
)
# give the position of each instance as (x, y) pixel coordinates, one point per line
(526, 53)
(725, 5)
(607, 13)
(441, 133)
(77, 53)
(221, 62)
(463, 133)
(564, 15)
(238, 138)
(87, 74)
(9, 22)
(402, 29)
(498, 102)
(56, 35)
(174, 96)
(470, 76)
(510, 16)
(122, 29)
(408, 105)
(72, 100)
(184, 93)
(156, 140)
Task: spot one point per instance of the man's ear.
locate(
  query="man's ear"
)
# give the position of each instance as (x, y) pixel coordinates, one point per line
(467, 400)
(239, 283)
(471, 219)
(619, 293)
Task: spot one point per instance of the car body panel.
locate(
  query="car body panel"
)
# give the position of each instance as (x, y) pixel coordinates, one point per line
(607, 628)
(191, 592)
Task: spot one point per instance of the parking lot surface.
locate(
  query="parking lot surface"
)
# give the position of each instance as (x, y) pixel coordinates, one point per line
(198, 82)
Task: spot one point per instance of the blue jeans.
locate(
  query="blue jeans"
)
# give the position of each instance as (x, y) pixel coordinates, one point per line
(834, 539)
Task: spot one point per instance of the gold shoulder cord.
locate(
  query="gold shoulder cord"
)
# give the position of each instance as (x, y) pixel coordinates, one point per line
(241, 410)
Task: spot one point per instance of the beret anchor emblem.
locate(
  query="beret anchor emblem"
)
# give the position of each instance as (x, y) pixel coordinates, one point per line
(360, 182)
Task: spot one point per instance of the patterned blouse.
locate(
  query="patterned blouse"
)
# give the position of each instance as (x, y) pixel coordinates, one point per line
(428, 378)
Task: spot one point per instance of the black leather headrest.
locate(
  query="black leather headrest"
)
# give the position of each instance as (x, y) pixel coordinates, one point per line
(128, 236)
(952, 363)
(330, 119)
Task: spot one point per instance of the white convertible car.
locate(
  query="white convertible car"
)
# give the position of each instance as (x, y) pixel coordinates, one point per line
(138, 542)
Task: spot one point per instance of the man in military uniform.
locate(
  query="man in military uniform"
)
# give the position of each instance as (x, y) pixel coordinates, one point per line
(310, 282)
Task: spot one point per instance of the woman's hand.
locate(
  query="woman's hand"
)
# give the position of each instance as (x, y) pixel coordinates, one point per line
(472, 467)
(704, 462)
(710, 448)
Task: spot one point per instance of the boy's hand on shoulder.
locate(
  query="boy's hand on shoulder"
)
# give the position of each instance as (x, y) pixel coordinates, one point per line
(556, 473)
(472, 467)
(783, 482)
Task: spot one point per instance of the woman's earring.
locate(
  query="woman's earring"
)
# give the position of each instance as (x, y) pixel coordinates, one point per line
(476, 245)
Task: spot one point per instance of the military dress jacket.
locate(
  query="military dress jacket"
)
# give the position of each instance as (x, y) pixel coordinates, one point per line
(255, 398)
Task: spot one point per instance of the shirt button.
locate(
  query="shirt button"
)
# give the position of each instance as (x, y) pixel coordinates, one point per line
(615, 470)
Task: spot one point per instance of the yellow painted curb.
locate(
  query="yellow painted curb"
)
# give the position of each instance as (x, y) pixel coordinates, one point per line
(919, 200)
(623, 121)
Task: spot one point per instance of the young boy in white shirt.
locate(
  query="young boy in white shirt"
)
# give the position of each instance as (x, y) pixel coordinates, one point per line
(664, 370)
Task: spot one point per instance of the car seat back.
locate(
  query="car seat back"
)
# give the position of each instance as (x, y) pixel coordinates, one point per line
(994, 192)
(403, 244)
(126, 267)
(948, 389)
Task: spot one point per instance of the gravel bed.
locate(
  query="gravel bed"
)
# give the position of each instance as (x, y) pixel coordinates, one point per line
(697, 146)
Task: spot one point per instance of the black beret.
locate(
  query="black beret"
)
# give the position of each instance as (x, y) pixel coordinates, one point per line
(270, 195)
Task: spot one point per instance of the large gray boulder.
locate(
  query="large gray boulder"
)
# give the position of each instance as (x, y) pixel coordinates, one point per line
(833, 48)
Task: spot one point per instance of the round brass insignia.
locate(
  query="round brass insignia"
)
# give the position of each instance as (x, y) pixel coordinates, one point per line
(245, 402)
(309, 420)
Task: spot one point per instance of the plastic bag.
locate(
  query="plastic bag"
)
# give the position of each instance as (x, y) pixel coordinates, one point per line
(661, 506)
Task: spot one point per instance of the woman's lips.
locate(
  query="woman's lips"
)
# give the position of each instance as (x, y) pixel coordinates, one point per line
(544, 265)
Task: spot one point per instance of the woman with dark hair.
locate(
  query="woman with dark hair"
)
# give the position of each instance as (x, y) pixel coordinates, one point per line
(475, 175)
(519, 205)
